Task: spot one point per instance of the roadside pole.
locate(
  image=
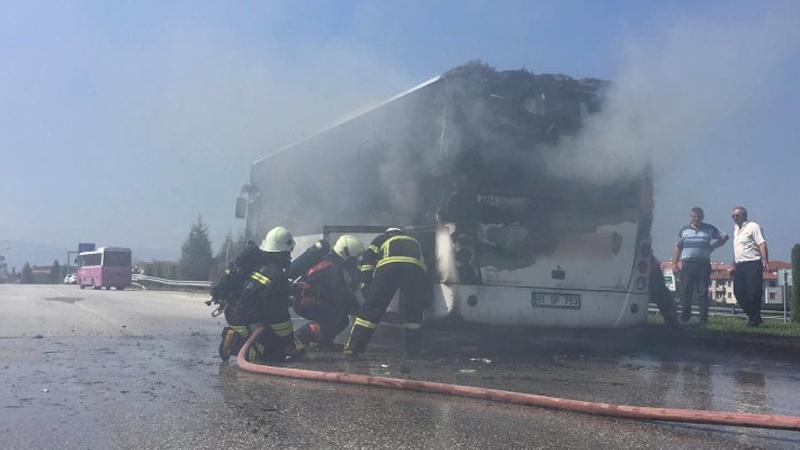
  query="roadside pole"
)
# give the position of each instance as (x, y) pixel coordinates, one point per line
(71, 252)
(228, 243)
(785, 292)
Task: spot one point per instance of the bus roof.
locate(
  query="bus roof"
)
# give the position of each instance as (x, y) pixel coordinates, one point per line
(107, 249)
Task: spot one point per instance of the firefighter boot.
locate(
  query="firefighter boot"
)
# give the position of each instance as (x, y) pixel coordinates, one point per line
(413, 341)
(359, 337)
(228, 343)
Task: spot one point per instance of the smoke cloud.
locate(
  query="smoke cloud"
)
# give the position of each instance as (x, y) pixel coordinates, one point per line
(688, 85)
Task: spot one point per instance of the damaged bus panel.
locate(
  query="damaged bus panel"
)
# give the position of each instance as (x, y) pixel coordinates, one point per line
(463, 162)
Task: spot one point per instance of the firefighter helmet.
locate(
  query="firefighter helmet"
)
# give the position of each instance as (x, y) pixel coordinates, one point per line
(348, 246)
(279, 239)
(393, 230)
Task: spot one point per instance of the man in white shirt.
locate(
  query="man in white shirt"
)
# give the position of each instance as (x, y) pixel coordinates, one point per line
(751, 259)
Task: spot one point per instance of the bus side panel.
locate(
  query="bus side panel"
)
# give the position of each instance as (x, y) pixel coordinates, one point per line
(316, 182)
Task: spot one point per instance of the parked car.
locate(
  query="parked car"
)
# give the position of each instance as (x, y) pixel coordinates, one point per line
(71, 279)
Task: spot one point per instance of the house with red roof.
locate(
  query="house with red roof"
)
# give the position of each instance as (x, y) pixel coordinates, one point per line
(720, 290)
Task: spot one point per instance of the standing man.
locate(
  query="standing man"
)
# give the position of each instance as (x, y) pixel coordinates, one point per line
(691, 259)
(751, 258)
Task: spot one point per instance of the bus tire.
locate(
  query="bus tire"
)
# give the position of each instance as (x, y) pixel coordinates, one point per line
(81, 286)
(120, 288)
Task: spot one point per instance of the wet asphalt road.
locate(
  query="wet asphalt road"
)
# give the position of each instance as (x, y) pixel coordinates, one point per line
(138, 369)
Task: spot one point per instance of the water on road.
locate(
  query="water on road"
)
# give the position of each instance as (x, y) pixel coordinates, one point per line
(138, 369)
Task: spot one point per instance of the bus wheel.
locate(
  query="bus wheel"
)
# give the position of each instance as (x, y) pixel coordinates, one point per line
(95, 287)
(82, 286)
(120, 288)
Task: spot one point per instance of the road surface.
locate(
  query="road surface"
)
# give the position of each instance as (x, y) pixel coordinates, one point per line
(138, 369)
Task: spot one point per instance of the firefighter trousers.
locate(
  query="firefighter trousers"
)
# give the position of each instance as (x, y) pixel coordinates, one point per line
(415, 295)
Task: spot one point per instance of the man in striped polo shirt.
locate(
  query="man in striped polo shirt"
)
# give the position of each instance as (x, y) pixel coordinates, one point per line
(691, 260)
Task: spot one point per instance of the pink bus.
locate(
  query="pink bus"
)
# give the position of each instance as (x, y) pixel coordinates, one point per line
(105, 267)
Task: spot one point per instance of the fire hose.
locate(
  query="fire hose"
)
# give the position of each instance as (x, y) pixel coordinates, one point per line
(542, 401)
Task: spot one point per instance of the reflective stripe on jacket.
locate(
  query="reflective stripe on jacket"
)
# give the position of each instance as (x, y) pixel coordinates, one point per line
(401, 249)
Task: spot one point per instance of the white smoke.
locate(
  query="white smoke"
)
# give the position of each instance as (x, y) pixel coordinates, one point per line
(675, 90)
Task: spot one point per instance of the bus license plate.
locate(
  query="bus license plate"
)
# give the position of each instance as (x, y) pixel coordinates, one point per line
(555, 300)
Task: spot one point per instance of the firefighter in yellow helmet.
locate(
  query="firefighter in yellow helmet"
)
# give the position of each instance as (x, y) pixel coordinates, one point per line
(392, 262)
(264, 301)
(325, 293)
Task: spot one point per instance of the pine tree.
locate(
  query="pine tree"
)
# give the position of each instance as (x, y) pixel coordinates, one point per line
(55, 272)
(196, 259)
(26, 277)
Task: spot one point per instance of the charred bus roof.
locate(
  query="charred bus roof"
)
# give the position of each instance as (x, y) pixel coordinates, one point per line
(563, 98)
(472, 129)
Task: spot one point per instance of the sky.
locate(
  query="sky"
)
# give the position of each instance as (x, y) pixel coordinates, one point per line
(121, 122)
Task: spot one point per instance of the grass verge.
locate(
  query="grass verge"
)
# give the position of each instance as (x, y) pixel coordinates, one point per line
(735, 326)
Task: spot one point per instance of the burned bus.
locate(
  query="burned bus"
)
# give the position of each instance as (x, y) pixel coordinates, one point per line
(460, 161)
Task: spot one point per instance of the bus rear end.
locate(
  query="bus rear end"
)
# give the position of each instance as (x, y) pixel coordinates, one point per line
(116, 268)
(106, 267)
(545, 262)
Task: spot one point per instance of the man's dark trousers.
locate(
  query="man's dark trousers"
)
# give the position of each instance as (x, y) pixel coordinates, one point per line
(694, 283)
(748, 283)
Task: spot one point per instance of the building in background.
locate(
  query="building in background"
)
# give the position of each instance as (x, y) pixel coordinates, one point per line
(41, 274)
(720, 290)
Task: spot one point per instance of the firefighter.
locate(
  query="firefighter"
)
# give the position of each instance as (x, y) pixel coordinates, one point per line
(326, 294)
(661, 295)
(314, 254)
(263, 300)
(392, 262)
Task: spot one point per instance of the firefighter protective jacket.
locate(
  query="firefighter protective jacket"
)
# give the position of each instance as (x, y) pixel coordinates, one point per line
(265, 289)
(228, 287)
(329, 289)
(394, 247)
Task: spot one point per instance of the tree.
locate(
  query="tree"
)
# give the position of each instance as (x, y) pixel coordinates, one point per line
(795, 308)
(196, 259)
(27, 274)
(55, 272)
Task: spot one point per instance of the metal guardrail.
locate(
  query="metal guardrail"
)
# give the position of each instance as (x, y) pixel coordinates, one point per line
(168, 282)
(728, 311)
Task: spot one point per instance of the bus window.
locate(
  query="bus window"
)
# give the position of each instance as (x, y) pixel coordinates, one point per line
(117, 259)
(92, 259)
